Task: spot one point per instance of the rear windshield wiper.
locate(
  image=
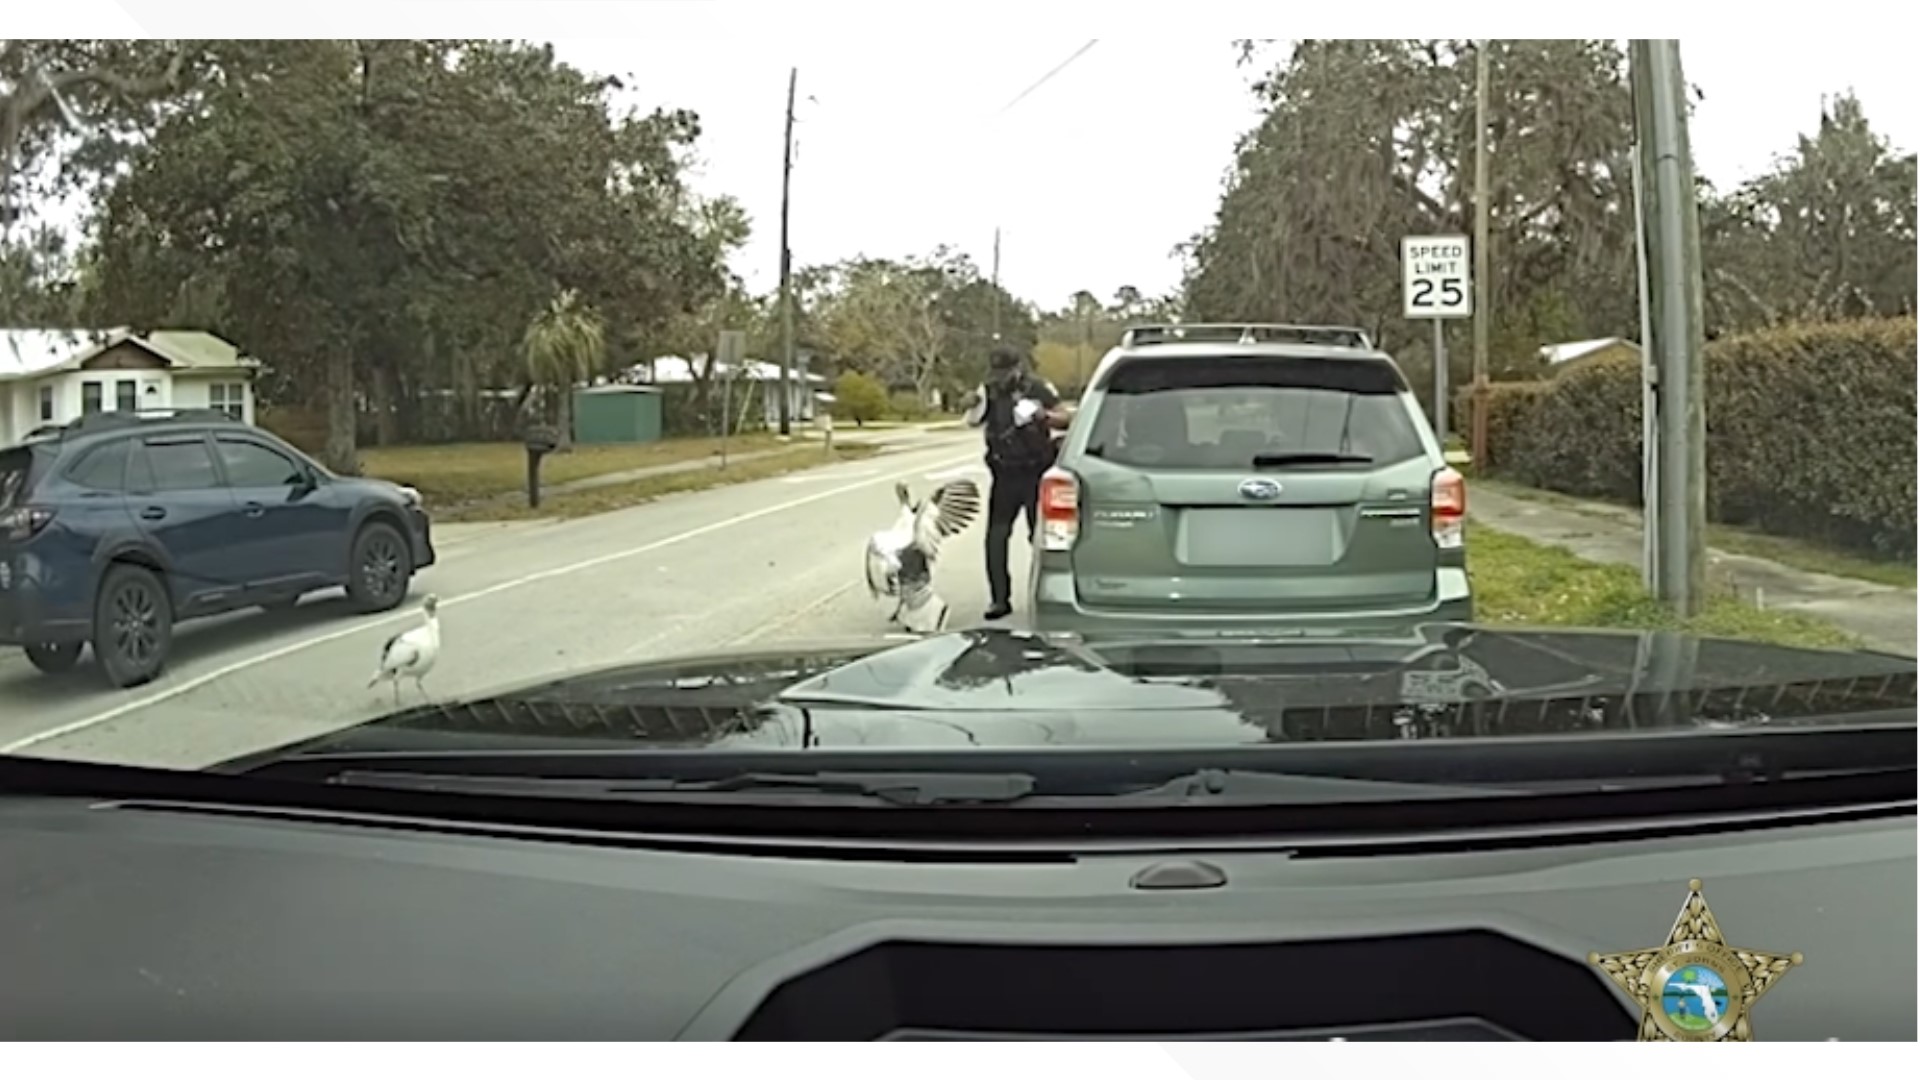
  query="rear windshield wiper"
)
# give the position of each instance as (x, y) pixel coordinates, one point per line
(1282, 460)
(901, 789)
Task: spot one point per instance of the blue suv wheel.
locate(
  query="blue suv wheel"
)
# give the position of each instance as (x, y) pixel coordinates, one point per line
(132, 625)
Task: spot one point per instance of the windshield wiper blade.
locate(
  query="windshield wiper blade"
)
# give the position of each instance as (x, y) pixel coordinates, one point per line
(1206, 786)
(897, 788)
(1296, 788)
(941, 788)
(905, 789)
(1277, 459)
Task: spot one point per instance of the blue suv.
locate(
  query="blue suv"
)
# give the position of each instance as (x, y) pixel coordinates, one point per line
(117, 526)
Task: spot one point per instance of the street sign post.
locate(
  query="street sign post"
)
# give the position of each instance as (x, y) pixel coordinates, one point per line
(1436, 282)
(730, 353)
(802, 365)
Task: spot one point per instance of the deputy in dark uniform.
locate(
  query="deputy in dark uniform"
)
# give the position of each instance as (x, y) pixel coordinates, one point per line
(1018, 412)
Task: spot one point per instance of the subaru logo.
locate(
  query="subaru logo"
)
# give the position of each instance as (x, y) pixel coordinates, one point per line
(1259, 488)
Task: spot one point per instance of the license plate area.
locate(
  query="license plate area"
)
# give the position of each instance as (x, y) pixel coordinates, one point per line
(1278, 537)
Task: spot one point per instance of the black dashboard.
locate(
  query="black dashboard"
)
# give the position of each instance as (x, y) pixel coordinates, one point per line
(148, 921)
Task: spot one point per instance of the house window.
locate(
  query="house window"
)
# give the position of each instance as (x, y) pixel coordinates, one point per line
(46, 404)
(230, 398)
(126, 395)
(89, 397)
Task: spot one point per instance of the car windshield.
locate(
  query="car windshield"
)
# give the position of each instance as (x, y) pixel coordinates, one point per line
(367, 398)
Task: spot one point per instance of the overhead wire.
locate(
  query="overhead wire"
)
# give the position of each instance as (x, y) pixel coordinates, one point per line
(999, 193)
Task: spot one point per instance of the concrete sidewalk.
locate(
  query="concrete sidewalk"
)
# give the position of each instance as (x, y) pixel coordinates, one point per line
(1881, 615)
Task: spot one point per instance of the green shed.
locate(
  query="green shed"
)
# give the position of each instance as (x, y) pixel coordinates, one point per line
(617, 414)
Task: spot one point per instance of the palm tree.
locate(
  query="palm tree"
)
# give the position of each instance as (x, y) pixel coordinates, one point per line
(563, 345)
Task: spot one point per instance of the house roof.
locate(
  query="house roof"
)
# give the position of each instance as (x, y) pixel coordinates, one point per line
(1569, 351)
(619, 388)
(678, 369)
(27, 353)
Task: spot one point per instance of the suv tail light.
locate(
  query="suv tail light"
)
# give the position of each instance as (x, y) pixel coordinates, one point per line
(1059, 510)
(24, 523)
(1449, 508)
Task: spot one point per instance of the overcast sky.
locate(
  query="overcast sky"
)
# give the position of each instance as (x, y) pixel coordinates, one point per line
(1095, 176)
(905, 141)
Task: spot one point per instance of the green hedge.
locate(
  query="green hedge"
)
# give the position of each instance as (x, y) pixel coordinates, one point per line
(1508, 405)
(1810, 433)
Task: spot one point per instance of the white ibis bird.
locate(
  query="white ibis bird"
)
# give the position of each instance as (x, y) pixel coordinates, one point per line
(900, 558)
(410, 654)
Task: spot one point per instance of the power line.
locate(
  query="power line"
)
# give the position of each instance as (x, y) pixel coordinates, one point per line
(1000, 196)
(1048, 77)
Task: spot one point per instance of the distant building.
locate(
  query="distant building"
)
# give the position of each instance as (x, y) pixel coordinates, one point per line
(56, 376)
(805, 390)
(1557, 357)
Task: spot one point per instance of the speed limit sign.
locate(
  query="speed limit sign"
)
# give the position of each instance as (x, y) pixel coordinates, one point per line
(1436, 277)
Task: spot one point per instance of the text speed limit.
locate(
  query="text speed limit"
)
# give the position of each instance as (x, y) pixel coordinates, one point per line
(1436, 277)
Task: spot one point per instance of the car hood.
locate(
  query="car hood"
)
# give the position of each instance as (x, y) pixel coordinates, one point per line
(375, 485)
(1011, 689)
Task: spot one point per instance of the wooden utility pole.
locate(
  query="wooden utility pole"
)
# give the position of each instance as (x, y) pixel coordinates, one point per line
(786, 267)
(1086, 346)
(1482, 308)
(996, 286)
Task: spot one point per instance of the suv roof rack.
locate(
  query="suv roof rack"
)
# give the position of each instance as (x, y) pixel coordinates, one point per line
(104, 421)
(1349, 337)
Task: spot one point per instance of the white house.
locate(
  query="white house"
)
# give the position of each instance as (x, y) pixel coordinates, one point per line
(805, 388)
(55, 376)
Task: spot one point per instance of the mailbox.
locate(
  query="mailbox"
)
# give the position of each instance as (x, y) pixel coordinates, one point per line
(541, 440)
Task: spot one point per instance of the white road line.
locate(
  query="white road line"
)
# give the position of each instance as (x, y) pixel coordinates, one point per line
(804, 479)
(959, 473)
(781, 624)
(189, 685)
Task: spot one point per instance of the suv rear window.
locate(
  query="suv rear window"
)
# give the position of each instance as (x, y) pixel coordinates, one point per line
(1218, 413)
(104, 468)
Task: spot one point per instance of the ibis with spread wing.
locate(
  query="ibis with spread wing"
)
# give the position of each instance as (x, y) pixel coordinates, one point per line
(900, 558)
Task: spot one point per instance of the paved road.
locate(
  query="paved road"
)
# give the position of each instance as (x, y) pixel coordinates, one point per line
(777, 559)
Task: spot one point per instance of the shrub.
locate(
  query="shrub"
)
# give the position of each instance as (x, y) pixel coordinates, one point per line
(905, 405)
(859, 397)
(1810, 432)
(1508, 404)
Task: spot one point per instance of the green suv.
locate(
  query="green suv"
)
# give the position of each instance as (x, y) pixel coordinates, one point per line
(1249, 477)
